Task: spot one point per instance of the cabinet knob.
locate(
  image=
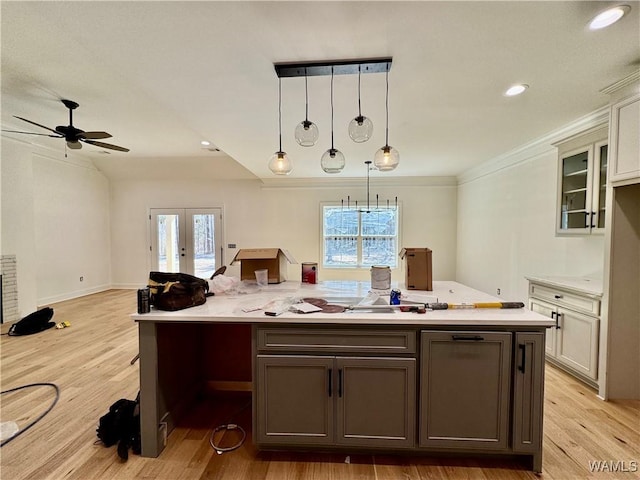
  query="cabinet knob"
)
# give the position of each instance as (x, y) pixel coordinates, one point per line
(557, 297)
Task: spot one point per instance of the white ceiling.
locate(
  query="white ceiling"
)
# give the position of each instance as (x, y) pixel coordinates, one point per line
(162, 76)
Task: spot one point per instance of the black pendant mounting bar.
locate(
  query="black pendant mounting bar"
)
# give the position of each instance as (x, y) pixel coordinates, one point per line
(340, 67)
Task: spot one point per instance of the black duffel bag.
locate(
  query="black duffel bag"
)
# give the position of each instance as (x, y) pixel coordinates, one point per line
(175, 291)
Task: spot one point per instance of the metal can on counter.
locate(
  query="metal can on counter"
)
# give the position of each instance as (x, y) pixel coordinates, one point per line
(143, 300)
(394, 297)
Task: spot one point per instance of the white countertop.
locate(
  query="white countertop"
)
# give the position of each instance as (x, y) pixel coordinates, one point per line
(586, 285)
(229, 308)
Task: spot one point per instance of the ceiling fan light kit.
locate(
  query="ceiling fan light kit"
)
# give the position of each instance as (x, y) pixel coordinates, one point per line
(360, 129)
(73, 136)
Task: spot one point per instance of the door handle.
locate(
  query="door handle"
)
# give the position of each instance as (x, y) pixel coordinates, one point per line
(558, 317)
(523, 356)
(340, 382)
(474, 338)
(593, 214)
(330, 381)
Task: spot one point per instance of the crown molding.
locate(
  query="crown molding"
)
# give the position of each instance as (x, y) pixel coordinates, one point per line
(620, 84)
(537, 147)
(348, 182)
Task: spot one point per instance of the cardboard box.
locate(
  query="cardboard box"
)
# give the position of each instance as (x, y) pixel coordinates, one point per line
(273, 259)
(418, 268)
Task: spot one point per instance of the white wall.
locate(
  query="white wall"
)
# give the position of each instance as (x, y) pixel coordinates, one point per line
(55, 219)
(276, 216)
(18, 224)
(506, 230)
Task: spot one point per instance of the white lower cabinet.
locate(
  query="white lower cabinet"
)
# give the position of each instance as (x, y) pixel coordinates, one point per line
(573, 342)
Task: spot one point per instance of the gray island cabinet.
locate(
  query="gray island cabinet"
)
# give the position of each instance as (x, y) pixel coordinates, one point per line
(469, 381)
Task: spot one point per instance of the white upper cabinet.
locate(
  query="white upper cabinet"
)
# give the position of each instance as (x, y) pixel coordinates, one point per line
(582, 180)
(625, 141)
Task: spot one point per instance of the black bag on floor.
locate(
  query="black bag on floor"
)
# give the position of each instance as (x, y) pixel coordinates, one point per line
(175, 291)
(121, 425)
(33, 323)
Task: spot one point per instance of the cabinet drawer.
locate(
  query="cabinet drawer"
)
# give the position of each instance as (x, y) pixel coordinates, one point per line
(346, 341)
(564, 298)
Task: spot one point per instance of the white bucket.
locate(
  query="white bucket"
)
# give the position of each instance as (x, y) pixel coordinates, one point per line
(380, 277)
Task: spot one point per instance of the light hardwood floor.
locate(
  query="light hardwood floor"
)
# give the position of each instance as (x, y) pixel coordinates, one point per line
(90, 362)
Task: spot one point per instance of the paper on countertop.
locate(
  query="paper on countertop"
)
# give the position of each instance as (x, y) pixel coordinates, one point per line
(305, 307)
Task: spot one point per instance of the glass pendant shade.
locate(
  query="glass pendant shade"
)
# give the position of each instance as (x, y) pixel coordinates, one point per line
(280, 164)
(360, 129)
(332, 161)
(386, 159)
(307, 133)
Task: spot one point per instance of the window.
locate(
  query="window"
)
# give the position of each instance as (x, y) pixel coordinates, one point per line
(352, 238)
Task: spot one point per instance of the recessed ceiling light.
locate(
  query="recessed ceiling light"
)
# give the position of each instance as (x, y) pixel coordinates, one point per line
(205, 143)
(609, 17)
(516, 90)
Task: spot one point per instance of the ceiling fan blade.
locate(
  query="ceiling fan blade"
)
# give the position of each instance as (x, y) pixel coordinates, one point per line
(31, 133)
(106, 145)
(36, 124)
(94, 135)
(74, 145)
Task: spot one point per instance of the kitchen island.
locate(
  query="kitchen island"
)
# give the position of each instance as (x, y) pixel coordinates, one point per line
(460, 380)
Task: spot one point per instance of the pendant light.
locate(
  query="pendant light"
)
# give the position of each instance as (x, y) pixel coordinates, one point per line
(279, 162)
(387, 157)
(306, 132)
(332, 160)
(360, 128)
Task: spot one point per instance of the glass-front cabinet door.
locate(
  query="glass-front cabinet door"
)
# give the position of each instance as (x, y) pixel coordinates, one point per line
(575, 204)
(600, 199)
(582, 182)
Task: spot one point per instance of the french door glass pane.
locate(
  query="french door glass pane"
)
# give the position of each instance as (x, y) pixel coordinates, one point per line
(168, 249)
(204, 258)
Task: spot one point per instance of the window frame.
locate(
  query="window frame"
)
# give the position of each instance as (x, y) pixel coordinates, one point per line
(359, 236)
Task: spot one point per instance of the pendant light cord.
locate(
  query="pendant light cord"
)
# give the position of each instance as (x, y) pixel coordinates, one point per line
(306, 97)
(280, 113)
(359, 109)
(332, 109)
(387, 107)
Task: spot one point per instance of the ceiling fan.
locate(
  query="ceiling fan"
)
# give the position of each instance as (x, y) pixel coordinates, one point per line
(72, 135)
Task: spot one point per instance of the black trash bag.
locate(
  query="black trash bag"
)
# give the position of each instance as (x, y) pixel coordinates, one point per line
(121, 425)
(33, 323)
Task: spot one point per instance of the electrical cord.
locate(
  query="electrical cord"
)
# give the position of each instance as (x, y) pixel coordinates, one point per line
(229, 426)
(40, 417)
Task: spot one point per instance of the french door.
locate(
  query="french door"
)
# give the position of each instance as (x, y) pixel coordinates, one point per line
(187, 240)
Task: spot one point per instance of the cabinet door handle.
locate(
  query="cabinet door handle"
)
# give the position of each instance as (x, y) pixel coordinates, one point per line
(330, 381)
(558, 321)
(553, 314)
(474, 338)
(523, 356)
(340, 382)
(593, 214)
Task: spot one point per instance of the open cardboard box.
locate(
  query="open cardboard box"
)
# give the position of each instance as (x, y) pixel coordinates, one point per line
(273, 259)
(418, 268)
